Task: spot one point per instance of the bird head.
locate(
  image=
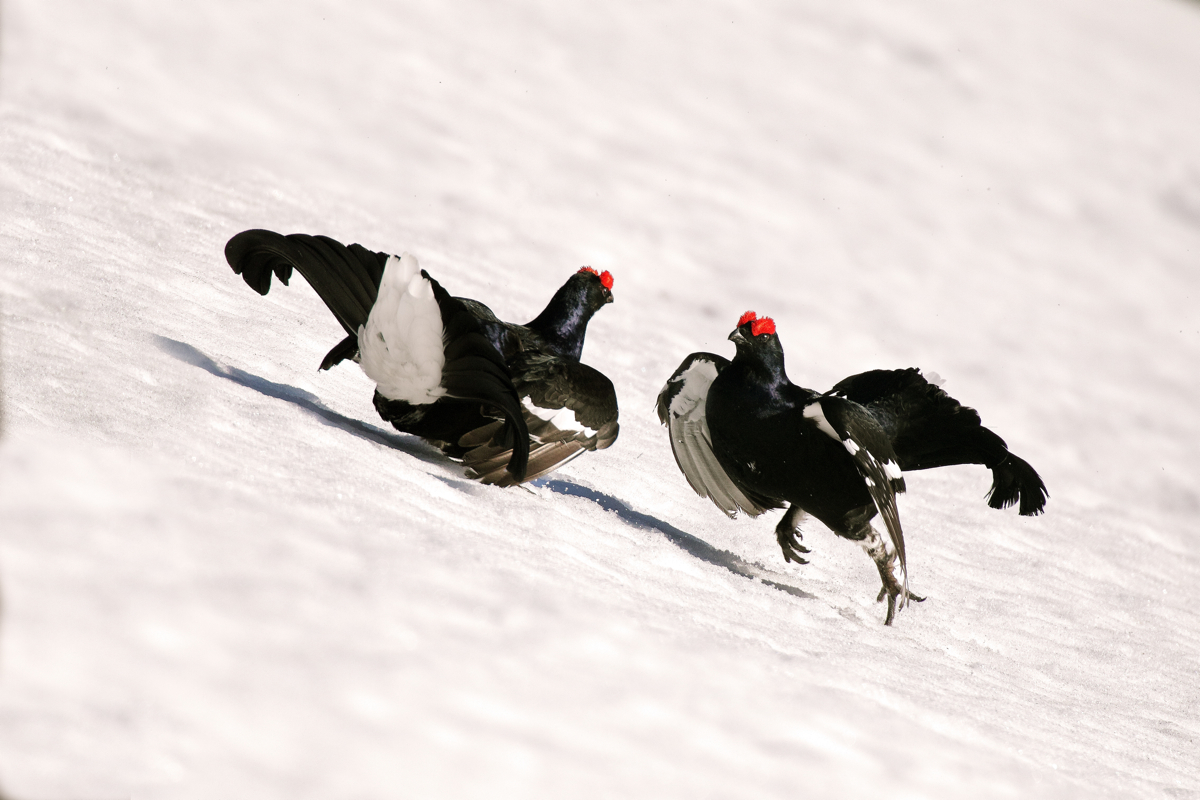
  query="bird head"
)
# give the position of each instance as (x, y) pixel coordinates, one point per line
(596, 287)
(752, 331)
(758, 344)
(563, 323)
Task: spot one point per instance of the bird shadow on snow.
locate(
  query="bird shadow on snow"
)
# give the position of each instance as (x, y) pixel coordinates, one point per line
(298, 397)
(692, 545)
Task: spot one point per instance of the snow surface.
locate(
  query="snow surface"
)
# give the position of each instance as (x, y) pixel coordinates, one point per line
(223, 576)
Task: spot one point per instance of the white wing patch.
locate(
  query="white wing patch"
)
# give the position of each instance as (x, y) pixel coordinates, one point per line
(561, 418)
(890, 469)
(401, 345)
(814, 412)
(691, 442)
(694, 391)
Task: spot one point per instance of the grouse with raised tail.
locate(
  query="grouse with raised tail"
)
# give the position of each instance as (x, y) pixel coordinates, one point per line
(748, 438)
(512, 402)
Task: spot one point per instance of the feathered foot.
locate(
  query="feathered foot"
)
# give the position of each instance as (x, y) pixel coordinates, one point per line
(885, 562)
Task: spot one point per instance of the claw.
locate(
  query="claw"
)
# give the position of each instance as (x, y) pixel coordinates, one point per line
(892, 592)
(893, 588)
(916, 598)
(787, 533)
(789, 543)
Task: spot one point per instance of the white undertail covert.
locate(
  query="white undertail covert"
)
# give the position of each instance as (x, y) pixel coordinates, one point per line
(400, 347)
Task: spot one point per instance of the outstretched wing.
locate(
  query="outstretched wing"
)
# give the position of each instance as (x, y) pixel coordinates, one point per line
(568, 407)
(681, 408)
(868, 444)
(929, 428)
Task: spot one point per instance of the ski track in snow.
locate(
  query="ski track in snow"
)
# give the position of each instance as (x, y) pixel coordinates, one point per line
(224, 576)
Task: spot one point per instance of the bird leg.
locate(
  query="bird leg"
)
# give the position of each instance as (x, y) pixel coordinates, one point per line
(787, 533)
(885, 561)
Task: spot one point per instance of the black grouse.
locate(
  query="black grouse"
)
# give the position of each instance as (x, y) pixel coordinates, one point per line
(513, 402)
(751, 440)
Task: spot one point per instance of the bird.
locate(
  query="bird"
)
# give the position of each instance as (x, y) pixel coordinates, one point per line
(510, 402)
(749, 439)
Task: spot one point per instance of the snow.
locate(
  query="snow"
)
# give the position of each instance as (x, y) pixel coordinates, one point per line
(222, 574)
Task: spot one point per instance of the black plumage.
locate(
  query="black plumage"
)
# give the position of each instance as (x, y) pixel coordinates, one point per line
(509, 393)
(748, 438)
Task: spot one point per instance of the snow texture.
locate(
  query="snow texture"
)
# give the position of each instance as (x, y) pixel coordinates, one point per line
(224, 576)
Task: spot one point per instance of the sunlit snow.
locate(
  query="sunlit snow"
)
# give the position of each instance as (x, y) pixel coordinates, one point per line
(223, 576)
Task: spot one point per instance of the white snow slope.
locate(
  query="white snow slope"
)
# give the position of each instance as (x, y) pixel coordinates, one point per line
(224, 576)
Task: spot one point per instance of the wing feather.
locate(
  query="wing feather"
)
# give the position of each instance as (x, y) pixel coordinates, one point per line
(870, 448)
(681, 405)
(929, 428)
(568, 408)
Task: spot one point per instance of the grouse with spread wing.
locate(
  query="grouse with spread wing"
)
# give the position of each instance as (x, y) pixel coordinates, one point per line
(751, 440)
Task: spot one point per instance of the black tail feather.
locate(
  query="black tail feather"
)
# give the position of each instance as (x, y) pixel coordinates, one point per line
(345, 278)
(346, 348)
(1015, 481)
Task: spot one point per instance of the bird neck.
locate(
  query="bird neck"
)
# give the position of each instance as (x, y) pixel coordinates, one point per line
(763, 365)
(563, 323)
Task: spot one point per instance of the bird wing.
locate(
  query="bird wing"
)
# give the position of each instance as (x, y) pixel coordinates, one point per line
(869, 446)
(681, 405)
(928, 428)
(504, 336)
(568, 408)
